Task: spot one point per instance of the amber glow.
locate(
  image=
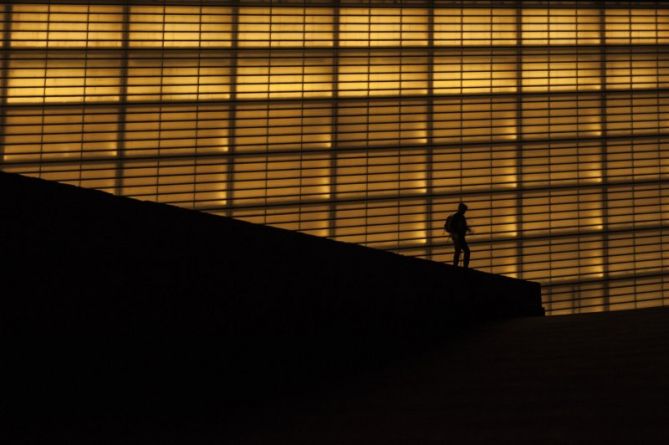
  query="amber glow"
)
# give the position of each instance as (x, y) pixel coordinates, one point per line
(368, 125)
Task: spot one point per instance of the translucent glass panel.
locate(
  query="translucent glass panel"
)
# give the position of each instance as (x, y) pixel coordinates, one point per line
(563, 163)
(180, 26)
(267, 180)
(560, 26)
(190, 182)
(176, 130)
(549, 212)
(66, 26)
(90, 174)
(313, 219)
(565, 257)
(636, 113)
(378, 73)
(636, 70)
(477, 119)
(64, 77)
(474, 168)
(380, 173)
(184, 76)
(284, 127)
(561, 117)
(474, 27)
(60, 134)
(561, 72)
(383, 27)
(378, 122)
(636, 26)
(264, 75)
(381, 224)
(285, 27)
(636, 159)
(474, 72)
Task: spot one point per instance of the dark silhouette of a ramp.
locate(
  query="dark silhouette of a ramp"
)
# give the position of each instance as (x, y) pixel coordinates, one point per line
(122, 307)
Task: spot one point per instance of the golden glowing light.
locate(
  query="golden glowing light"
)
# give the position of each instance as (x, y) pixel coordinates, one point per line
(368, 124)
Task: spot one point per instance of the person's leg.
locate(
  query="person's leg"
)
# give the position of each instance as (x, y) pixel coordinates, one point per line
(465, 247)
(458, 249)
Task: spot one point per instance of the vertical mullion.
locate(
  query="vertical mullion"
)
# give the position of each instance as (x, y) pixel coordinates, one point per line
(123, 103)
(6, 40)
(519, 139)
(232, 111)
(334, 119)
(603, 54)
(429, 155)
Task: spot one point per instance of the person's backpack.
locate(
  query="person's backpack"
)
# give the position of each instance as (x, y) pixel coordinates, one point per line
(449, 225)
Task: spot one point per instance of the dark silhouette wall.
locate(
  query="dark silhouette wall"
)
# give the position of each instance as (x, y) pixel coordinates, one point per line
(147, 293)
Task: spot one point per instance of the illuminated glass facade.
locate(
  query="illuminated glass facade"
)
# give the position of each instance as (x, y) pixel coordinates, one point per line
(369, 124)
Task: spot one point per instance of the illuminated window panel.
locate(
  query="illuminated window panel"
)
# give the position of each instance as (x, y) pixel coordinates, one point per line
(264, 180)
(184, 182)
(564, 258)
(283, 127)
(285, 27)
(63, 26)
(172, 130)
(562, 163)
(383, 27)
(561, 117)
(561, 72)
(381, 224)
(180, 26)
(633, 160)
(627, 70)
(562, 211)
(590, 297)
(376, 123)
(381, 73)
(635, 252)
(313, 219)
(64, 77)
(474, 168)
(89, 174)
(478, 119)
(263, 75)
(380, 173)
(474, 27)
(155, 77)
(474, 73)
(58, 134)
(635, 206)
(636, 114)
(634, 26)
(560, 26)
(495, 257)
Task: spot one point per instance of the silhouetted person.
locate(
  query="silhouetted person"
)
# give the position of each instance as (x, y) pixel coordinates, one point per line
(456, 226)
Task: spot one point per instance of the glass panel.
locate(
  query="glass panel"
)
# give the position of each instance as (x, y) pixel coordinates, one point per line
(64, 77)
(474, 73)
(262, 75)
(561, 72)
(478, 119)
(561, 117)
(562, 163)
(383, 27)
(172, 130)
(560, 26)
(473, 27)
(283, 126)
(188, 76)
(180, 26)
(382, 123)
(285, 27)
(58, 26)
(474, 168)
(381, 74)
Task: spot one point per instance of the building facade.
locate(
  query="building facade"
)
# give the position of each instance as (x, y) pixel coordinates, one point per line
(369, 124)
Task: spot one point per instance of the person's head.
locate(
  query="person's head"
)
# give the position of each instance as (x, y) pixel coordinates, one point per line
(462, 208)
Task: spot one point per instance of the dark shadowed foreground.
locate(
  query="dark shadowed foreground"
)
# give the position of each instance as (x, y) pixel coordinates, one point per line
(131, 322)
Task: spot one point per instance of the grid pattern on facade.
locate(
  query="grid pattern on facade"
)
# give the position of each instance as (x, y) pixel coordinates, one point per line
(368, 125)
